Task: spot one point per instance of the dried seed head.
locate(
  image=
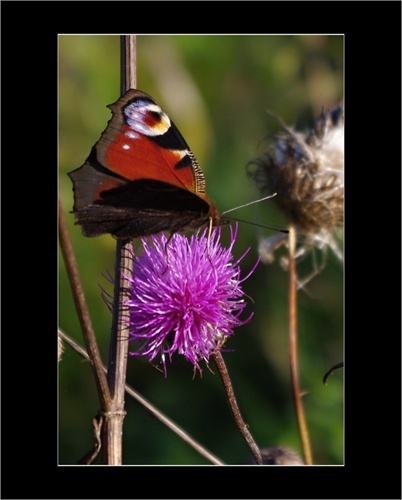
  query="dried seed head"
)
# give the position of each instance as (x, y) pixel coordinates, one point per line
(306, 170)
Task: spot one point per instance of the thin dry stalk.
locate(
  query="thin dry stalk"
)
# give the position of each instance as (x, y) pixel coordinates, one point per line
(234, 407)
(293, 356)
(152, 409)
(112, 432)
(83, 314)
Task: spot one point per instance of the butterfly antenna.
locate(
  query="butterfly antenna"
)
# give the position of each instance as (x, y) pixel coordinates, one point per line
(250, 203)
(253, 223)
(285, 231)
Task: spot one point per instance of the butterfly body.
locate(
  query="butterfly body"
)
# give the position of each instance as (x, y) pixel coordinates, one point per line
(141, 177)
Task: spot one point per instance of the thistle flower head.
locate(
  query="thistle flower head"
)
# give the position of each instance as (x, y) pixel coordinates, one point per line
(186, 296)
(306, 170)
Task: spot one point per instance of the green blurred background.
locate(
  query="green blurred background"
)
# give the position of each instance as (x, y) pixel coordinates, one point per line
(217, 90)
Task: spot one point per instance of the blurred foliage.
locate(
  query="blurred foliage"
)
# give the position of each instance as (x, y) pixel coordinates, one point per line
(217, 90)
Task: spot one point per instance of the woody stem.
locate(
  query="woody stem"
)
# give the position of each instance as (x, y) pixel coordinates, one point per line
(112, 431)
(234, 407)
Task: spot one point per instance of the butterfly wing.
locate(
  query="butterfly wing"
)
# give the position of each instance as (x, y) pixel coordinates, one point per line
(143, 207)
(141, 177)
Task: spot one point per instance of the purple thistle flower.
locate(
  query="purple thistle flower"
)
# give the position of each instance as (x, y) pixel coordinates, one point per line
(186, 296)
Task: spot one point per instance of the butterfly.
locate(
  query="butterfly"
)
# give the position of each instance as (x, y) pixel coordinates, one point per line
(141, 177)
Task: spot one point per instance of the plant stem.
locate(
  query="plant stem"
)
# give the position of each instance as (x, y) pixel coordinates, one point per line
(234, 407)
(293, 357)
(152, 409)
(83, 313)
(112, 432)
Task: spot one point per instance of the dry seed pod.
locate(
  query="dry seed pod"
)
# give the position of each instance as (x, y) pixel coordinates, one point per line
(306, 170)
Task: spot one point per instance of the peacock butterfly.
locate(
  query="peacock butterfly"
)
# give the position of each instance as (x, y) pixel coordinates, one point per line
(140, 177)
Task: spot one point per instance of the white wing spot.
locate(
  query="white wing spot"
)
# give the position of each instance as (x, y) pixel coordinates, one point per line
(131, 134)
